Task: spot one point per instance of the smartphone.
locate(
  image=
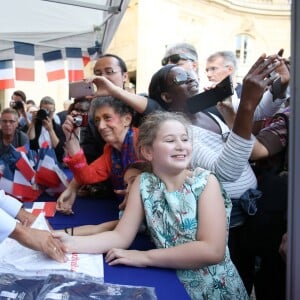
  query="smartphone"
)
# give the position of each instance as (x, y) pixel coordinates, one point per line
(79, 89)
(223, 90)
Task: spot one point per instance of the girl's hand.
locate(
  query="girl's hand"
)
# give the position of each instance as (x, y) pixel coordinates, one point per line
(66, 200)
(126, 257)
(64, 239)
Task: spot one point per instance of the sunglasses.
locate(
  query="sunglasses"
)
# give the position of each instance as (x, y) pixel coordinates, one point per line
(180, 78)
(175, 58)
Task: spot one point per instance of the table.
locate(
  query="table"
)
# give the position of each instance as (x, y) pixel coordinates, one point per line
(94, 211)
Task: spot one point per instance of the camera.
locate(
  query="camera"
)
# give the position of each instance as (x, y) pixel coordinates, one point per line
(42, 114)
(17, 105)
(80, 120)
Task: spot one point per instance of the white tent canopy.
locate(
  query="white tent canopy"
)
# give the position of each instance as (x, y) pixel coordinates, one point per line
(56, 24)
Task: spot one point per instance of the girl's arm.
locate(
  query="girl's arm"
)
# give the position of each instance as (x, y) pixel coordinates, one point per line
(121, 237)
(208, 249)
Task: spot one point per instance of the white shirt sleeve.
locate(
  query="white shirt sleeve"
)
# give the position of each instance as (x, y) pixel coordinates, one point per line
(267, 107)
(7, 225)
(9, 204)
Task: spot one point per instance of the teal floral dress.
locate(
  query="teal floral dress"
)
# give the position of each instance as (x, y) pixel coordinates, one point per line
(172, 220)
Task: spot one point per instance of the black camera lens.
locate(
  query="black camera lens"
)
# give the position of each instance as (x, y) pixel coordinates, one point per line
(42, 114)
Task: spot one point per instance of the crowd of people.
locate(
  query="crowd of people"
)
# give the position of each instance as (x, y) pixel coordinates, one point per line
(209, 187)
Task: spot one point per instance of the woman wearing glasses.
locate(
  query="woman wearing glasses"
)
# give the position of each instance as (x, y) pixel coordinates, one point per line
(9, 132)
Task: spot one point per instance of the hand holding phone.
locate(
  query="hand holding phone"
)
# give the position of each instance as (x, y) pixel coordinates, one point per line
(199, 102)
(80, 89)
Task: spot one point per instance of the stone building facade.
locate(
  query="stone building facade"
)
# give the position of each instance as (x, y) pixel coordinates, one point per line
(249, 28)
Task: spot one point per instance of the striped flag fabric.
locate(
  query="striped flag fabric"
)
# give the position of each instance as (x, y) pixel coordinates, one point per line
(48, 208)
(46, 171)
(24, 165)
(6, 177)
(89, 55)
(54, 65)
(6, 74)
(75, 64)
(24, 61)
(23, 189)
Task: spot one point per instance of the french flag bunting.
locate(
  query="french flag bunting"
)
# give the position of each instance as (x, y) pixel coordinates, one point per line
(24, 61)
(23, 189)
(75, 64)
(54, 65)
(6, 74)
(90, 55)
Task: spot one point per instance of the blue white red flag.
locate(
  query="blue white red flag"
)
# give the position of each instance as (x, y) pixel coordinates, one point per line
(48, 208)
(91, 54)
(7, 177)
(75, 64)
(24, 61)
(54, 65)
(23, 164)
(23, 189)
(46, 174)
(6, 74)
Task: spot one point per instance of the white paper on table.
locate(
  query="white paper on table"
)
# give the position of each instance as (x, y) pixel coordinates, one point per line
(15, 257)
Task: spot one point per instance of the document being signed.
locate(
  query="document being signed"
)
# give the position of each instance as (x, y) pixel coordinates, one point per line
(16, 258)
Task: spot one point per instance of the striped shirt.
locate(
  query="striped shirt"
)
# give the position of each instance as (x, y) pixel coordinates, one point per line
(227, 159)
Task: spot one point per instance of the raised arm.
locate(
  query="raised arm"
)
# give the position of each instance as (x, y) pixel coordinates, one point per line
(107, 88)
(255, 83)
(230, 160)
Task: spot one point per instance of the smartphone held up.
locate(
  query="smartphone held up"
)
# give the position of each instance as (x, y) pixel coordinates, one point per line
(80, 89)
(199, 102)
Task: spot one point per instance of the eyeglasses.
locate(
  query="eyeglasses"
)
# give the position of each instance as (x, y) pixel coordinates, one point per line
(175, 58)
(8, 121)
(106, 72)
(214, 69)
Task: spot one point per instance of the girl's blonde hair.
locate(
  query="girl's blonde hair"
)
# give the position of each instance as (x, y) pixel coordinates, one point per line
(151, 124)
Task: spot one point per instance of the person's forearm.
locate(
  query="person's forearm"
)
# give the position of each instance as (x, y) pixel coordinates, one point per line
(137, 102)
(25, 217)
(92, 229)
(97, 243)
(53, 137)
(243, 122)
(23, 236)
(72, 146)
(31, 131)
(259, 151)
(190, 255)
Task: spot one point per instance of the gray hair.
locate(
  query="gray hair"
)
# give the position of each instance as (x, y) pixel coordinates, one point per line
(118, 106)
(182, 48)
(47, 100)
(228, 56)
